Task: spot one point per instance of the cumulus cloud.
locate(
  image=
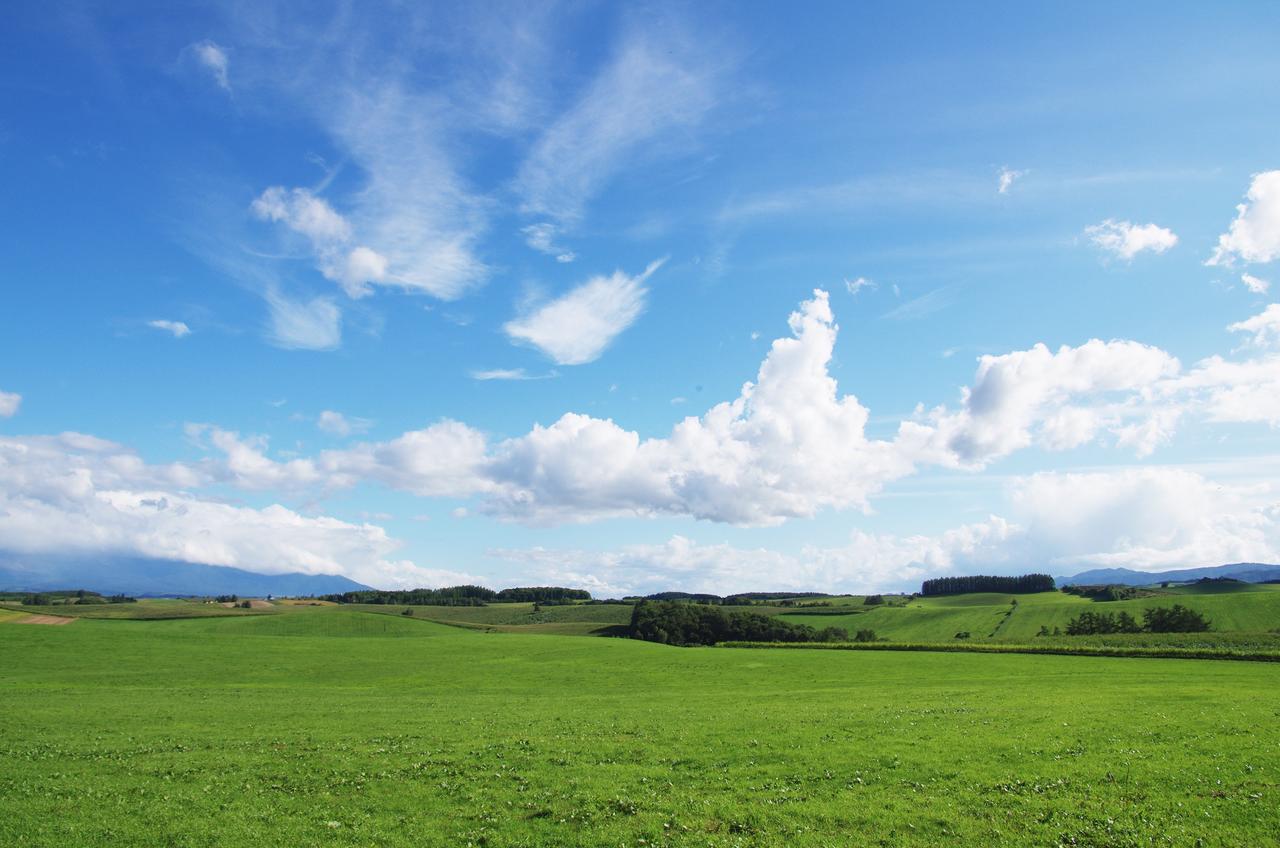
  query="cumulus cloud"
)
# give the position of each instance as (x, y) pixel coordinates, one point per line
(578, 326)
(867, 563)
(1126, 240)
(1254, 235)
(329, 234)
(79, 494)
(337, 424)
(9, 403)
(1006, 179)
(1146, 519)
(790, 444)
(177, 328)
(213, 59)
(1060, 400)
(1255, 284)
(314, 324)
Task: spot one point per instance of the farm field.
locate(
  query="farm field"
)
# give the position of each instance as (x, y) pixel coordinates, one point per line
(1237, 607)
(330, 726)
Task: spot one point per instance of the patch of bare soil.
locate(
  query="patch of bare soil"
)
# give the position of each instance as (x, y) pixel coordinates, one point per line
(44, 619)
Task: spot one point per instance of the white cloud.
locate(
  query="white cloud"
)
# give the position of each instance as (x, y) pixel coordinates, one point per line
(649, 88)
(9, 403)
(414, 210)
(856, 285)
(329, 234)
(541, 237)
(577, 327)
(1254, 235)
(337, 424)
(214, 60)
(1127, 240)
(74, 493)
(1255, 284)
(177, 328)
(1265, 327)
(867, 563)
(314, 324)
(1059, 400)
(790, 445)
(1007, 177)
(510, 374)
(1145, 519)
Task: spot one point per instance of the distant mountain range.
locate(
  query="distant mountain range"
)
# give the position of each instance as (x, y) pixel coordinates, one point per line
(155, 577)
(1250, 572)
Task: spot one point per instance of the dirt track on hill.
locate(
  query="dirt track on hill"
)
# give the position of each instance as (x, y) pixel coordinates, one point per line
(44, 619)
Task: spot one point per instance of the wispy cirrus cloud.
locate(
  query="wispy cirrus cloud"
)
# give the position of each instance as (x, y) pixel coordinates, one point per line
(510, 374)
(655, 84)
(336, 424)
(578, 326)
(1006, 178)
(213, 60)
(177, 329)
(304, 324)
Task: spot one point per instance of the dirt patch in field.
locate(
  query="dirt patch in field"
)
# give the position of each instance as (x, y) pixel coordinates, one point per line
(44, 619)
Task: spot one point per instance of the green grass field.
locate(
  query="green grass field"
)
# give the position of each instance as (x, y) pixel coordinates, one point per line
(333, 727)
(1246, 608)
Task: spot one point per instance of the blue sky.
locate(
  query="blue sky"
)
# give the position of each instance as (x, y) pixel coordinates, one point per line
(442, 294)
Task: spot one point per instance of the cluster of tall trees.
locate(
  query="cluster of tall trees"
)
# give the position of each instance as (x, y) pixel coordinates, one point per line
(543, 594)
(1024, 584)
(1174, 619)
(460, 596)
(680, 623)
(1109, 592)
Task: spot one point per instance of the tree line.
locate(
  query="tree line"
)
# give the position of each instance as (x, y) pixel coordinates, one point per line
(1024, 584)
(460, 596)
(79, 596)
(1174, 619)
(678, 623)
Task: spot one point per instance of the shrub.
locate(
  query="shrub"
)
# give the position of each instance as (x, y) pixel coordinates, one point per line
(865, 636)
(872, 600)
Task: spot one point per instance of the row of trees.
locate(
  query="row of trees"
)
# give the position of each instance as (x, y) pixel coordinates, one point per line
(1025, 584)
(1174, 619)
(460, 596)
(81, 596)
(678, 623)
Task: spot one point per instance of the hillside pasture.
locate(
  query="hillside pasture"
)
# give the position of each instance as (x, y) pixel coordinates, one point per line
(1255, 608)
(218, 732)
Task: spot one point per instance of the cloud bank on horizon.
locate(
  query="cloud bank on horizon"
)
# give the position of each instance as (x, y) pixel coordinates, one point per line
(416, 331)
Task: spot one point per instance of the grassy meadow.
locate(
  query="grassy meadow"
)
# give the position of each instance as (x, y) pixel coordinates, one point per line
(330, 727)
(1232, 608)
